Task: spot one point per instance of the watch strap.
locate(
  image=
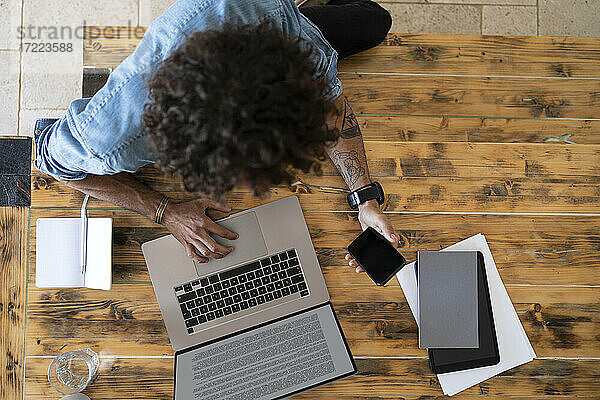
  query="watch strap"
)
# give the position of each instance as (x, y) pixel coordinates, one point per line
(366, 193)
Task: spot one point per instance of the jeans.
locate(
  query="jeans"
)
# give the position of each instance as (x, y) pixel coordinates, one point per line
(350, 26)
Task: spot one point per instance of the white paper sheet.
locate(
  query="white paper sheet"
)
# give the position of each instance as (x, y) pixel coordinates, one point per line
(515, 348)
(99, 254)
(58, 250)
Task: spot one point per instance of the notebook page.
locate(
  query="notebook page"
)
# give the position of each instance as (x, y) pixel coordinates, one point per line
(57, 253)
(99, 252)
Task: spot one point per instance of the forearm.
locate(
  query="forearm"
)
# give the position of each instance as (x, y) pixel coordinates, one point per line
(121, 189)
(348, 153)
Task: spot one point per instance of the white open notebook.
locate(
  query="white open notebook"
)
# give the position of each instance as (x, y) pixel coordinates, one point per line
(58, 249)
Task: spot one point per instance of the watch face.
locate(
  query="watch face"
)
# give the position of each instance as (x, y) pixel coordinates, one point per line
(353, 200)
(380, 195)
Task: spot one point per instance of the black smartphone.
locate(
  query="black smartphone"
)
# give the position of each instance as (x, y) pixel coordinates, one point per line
(375, 254)
(450, 360)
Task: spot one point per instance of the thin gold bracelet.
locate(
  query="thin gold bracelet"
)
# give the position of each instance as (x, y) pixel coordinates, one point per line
(160, 211)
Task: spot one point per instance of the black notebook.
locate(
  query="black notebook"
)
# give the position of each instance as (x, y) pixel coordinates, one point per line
(458, 359)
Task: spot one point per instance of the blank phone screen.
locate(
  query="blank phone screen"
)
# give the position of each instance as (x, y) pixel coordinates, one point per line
(376, 256)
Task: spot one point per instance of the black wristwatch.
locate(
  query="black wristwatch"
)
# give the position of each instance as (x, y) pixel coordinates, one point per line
(366, 193)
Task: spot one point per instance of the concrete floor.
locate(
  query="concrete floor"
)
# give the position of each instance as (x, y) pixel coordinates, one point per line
(34, 85)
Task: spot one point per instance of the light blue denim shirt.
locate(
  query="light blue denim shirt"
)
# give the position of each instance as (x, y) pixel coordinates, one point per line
(103, 134)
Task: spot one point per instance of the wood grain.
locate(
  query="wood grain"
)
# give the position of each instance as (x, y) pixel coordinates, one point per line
(443, 128)
(559, 321)
(13, 283)
(558, 57)
(489, 90)
(93, 80)
(415, 194)
(460, 95)
(557, 250)
(376, 379)
(15, 190)
(471, 96)
(452, 123)
(455, 177)
(15, 172)
(15, 155)
(409, 128)
(422, 54)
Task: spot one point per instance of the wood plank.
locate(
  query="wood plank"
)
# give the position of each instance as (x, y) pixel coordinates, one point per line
(463, 160)
(15, 190)
(114, 32)
(472, 96)
(103, 52)
(557, 250)
(376, 379)
(540, 56)
(15, 155)
(559, 321)
(15, 172)
(442, 129)
(13, 281)
(457, 129)
(449, 95)
(93, 80)
(411, 128)
(434, 194)
(464, 177)
(455, 177)
(502, 97)
(561, 57)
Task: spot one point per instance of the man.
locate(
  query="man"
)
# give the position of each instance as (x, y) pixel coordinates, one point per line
(221, 94)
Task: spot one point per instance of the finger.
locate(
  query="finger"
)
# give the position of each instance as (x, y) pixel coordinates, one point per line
(214, 246)
(390, 234)
(201, 247)
(359, 270)
(353, 263)
(395, 239)
(349, 257)
(191, 252)
(217, 206)
(220, 230)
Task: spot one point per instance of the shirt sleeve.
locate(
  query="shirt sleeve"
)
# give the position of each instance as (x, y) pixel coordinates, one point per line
(103, 134)
(60, 152)
(334, 85)
(324, 55)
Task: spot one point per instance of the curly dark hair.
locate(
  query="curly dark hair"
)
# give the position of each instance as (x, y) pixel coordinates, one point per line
(238, 103)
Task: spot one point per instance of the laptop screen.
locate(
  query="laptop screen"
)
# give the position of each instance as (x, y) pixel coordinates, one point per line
(273, 360)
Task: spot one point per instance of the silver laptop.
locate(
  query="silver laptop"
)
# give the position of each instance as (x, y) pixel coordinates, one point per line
(256, 324)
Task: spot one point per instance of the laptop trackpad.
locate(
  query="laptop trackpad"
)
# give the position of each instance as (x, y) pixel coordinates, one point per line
(249, 245)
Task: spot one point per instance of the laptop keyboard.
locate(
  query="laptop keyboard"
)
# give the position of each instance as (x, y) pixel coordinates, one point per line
(250, 285)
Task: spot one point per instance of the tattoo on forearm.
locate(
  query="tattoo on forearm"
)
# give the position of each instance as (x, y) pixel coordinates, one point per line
(348, 164)
(350, 127)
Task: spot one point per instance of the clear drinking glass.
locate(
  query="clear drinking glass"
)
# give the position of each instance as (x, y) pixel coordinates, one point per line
(71, 372)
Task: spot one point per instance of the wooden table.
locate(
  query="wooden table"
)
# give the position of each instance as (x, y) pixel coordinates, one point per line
(467, 134)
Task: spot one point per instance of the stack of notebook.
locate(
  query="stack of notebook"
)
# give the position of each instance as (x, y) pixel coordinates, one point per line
(513, 346)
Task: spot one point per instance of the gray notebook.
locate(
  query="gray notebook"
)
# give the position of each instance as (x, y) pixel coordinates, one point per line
(447, 292)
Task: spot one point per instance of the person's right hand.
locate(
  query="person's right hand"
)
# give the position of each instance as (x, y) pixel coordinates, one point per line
(188, 222)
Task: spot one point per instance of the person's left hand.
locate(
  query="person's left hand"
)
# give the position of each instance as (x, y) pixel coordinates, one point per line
(369, 214)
